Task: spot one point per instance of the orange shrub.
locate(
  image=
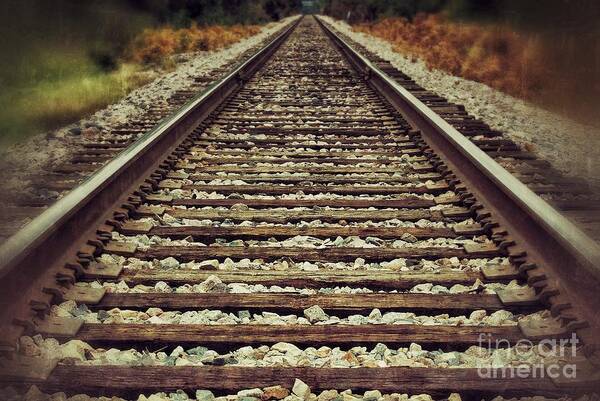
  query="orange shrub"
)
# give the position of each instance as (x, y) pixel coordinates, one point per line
(153, 45)
(156, 45)
(494, 55)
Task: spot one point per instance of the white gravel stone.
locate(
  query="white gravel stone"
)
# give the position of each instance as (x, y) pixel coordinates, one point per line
(328, 395)
(213, 284)
(315, 314)
(169, 263)
(253, 392)
(288, 355)
(204, 395)
(301, 390)
(212, 264)
(304, 241)
(274, 392)
(400, 264)
(372, 395)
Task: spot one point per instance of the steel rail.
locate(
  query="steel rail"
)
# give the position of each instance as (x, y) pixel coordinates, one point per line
(45, 241)
(550, 237)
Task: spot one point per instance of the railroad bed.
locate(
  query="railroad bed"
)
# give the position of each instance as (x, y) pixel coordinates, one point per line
(304, 237)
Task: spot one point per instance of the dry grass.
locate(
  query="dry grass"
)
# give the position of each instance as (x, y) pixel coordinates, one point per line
(494, 55)
(56, 101)
(75, 87)
(154, 46)
(54, 104)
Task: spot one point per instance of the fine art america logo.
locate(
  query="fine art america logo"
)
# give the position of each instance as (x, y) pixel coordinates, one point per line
(548, 358)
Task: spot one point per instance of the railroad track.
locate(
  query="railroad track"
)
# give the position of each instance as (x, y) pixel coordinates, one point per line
(305, 219)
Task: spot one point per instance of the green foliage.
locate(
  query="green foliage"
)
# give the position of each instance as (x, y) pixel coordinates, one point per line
(528, 15)
(64, 58)
(59, 100)
(180, 13)
(370, 10)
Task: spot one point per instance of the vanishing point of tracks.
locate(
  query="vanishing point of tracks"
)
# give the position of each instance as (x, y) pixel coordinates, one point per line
(306, 218)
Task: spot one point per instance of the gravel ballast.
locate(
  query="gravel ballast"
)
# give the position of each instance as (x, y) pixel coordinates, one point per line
(298, 392)
(284, 354)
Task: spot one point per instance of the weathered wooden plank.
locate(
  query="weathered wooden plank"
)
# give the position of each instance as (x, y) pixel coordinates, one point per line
(299, 302)
(302, 279)
(108, 379)
(410, 202)
(189, 253)
(314, 335)
(285, 216)
(287, 231)
(316, 189)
